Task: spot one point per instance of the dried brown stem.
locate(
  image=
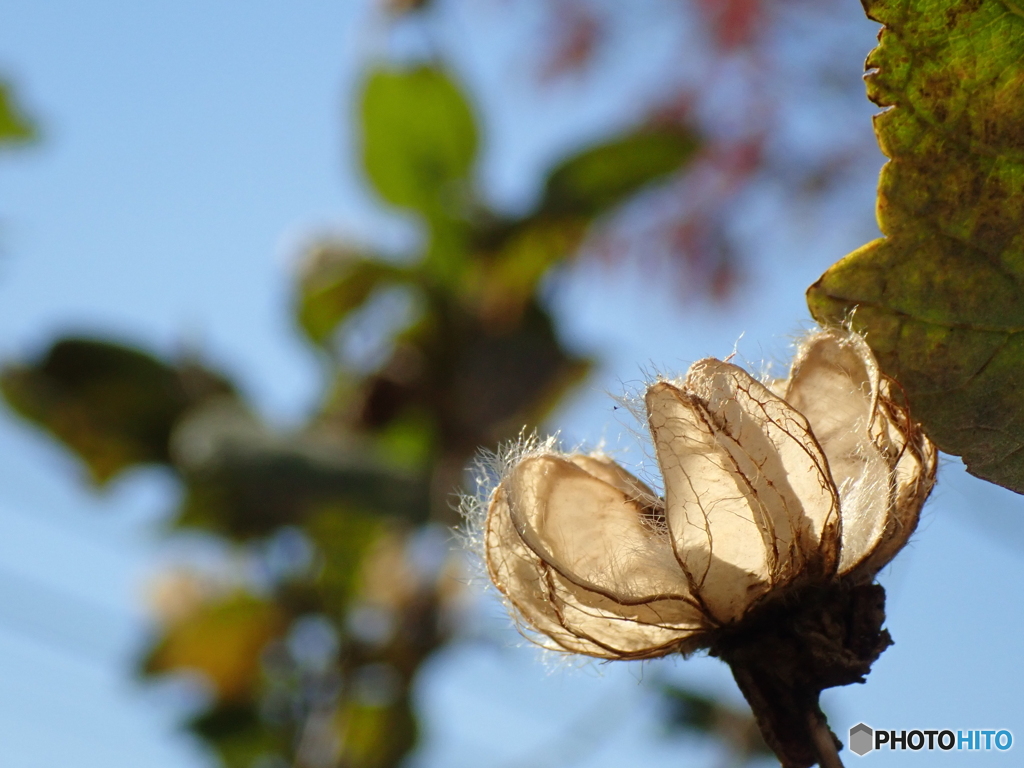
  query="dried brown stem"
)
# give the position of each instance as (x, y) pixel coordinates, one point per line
(824, 742)
(784, 654)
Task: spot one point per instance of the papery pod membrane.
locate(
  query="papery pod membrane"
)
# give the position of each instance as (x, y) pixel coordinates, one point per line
(521, 577)
(782, 501)
(626, 632)
(773, 439)
(882, 466)
(592, 559)
(549, 605)
(590, 532)
(747, 489)
(834, 382)
(727, 576)
(574, 554)
(611, 473)
(913, 460)
(678, 610)
(672, 614)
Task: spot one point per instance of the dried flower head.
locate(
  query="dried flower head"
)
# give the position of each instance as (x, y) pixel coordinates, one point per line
(771, 491)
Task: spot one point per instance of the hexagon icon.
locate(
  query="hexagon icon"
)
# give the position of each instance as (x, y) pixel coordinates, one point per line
(862, 739)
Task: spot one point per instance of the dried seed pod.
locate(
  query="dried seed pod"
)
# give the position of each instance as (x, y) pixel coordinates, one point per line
(814, 480)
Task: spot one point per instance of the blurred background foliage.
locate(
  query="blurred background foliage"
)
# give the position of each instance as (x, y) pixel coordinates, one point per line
(343, 523)
(316, 667)
(15, 126)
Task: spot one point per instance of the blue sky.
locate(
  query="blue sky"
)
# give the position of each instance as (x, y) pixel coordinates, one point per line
(187, 154)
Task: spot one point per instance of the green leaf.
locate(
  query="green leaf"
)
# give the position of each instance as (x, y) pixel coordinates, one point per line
(605, 175)
(15, 128)
(514, 255)
(339, 282)
(419, 139)
(114, 406)
(941, 295)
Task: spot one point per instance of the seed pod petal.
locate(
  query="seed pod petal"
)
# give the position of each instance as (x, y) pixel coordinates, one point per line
(611, 473)
(676, 610)
(912, 460)
(749, 502)
(639, 631)
(798, 485)
(521, 577)
(577, 557)
(882, 465)
(591, 532)
(834, 382)
(813, 481)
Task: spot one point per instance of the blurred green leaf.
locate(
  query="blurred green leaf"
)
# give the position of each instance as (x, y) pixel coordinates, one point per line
(15, 127)
(222, 641)
(342, 537)
(408, 440)
(238, 735)
(941, 296)
(250, 490)
(338, 282)
(603, 176)
(480, 381)
(691, 710)
(505, 377)
(448, 256)
(419, 138)
(376, 736)
(113, 405)
(517, 257)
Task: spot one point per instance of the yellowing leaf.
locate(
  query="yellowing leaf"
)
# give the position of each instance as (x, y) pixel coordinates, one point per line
(941, 295)
(223, 642)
